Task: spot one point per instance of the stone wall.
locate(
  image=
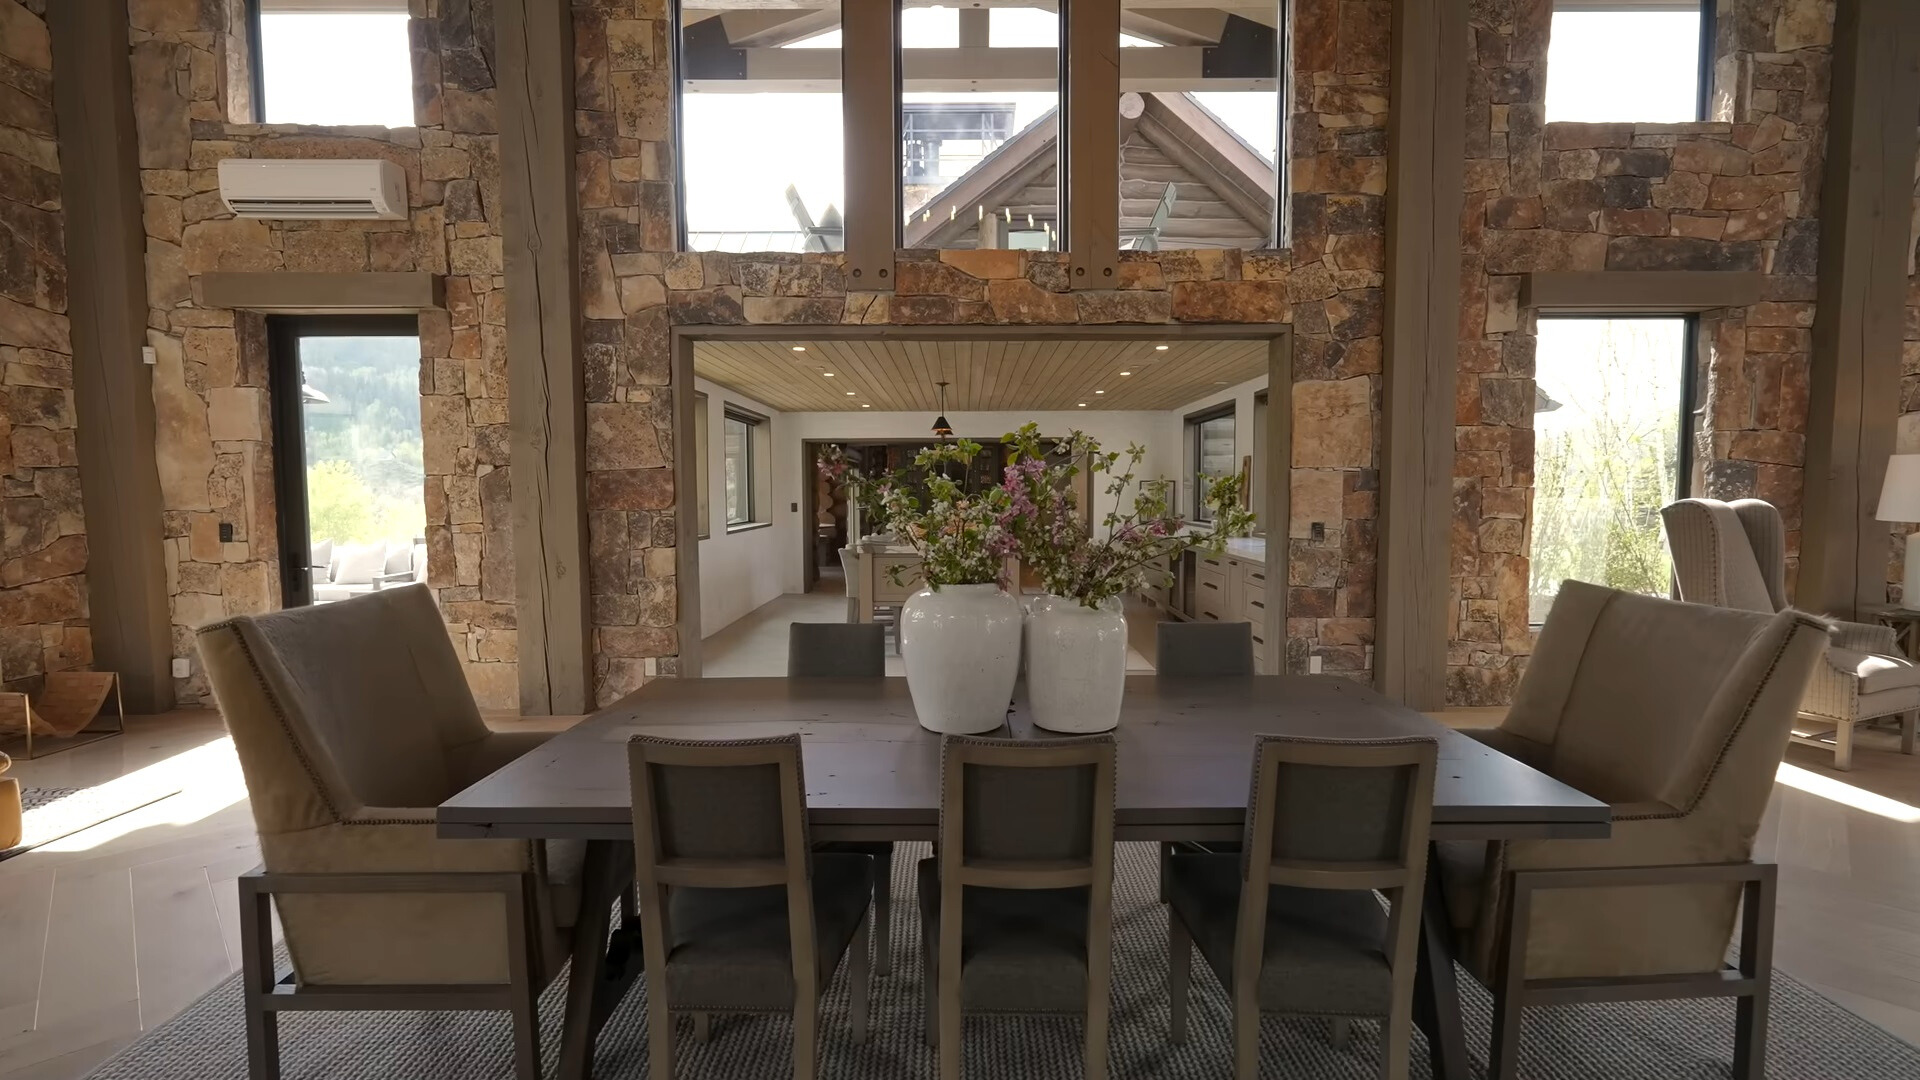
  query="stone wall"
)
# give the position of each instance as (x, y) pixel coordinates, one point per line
(1739, 194)
(211, 378)
(635, 288)
(43, 543)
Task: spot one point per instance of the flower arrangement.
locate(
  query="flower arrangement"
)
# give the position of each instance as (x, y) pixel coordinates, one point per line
(961, 538)
(1049, 529)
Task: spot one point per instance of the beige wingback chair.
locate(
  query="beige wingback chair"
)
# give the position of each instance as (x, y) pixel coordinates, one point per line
(1735, 555)
(352, 722)
(1676, 715)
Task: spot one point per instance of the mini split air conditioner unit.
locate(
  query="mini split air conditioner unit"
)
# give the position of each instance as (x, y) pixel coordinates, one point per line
(374, 188)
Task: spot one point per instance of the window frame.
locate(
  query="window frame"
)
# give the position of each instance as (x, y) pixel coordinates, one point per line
(1227, 410)
(287, 423)
(257, 61)
(748, 422)
(1691, 396)
(876, 225)
(1707, 53)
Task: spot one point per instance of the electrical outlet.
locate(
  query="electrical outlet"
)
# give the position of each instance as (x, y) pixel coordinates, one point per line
(226, 532)
(1319, 531)
(1313, 665)
(182, 667)
(793, 508)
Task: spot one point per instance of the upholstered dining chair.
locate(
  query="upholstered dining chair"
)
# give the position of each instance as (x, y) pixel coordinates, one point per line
(851, 650)
(836, 650)
(1677, 716)
(1203, 649)
(1735, 555)
(353, 722)
(736, 913)
(1291, 924)
(1016, 906)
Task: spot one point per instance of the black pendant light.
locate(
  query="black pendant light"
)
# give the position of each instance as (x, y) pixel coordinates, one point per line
(940, 425)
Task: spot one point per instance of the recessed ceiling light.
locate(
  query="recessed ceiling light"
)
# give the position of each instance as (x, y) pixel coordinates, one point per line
(850, 393)
(828, 374)
(1080, 404)
(1160, 348)
(864, 405)
(799, 348)
(1099, 391)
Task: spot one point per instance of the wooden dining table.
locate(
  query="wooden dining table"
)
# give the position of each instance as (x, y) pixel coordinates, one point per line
(872, 773)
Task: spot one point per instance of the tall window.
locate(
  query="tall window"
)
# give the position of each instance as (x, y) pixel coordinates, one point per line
(990, 126)
(737, 463)
(1210, 435)
(1612, 412)
(760, 121)
(335, 62)
(1619, 61)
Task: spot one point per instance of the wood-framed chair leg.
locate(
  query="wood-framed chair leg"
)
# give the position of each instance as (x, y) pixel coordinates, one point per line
(883, 914)
(525, 996)
(257, 977)
(1756, 962)
(947, 994)
(1843, 745)
(702, 1027)
(860, 979)
(1099, 984)
(1909, 728)
(1510, 993)
(806, 1032)
(1179, 974)
(1340, 1032)
(1246, 1031)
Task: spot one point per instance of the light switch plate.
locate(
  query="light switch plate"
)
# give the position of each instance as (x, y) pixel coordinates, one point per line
(182, 667)
(1313, 665)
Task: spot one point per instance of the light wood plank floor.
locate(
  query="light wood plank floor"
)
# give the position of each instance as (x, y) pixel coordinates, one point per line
(111, 931)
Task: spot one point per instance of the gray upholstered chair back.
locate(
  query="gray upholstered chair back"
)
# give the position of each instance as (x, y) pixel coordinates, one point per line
(1026, 800)
(366, 706)
(836, 650)
(1205, 649)
(1341, 803)
(717, 801)
(1637, 696)
(1728, 554)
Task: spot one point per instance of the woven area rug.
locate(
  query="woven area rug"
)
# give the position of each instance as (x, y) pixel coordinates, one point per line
(47, 814)
(1812, 1038)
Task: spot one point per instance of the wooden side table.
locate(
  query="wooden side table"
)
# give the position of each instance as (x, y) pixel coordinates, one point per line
(1905, 622)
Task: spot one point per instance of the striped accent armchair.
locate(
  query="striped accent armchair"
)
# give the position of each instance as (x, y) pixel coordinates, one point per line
(1734, 555)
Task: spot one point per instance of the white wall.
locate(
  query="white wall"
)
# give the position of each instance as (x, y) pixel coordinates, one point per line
(1114, 430)
(740, 571)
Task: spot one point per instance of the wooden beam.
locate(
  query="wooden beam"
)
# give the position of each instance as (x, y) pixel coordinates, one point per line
(321, 294)
(870, 103)
(546, 408)
(1854, 391)
(1090, 157)
(1169, 69)
(1426, 154)
(112, 390)
(1639, 291)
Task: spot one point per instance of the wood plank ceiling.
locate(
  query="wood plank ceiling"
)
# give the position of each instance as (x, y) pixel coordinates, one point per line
(898, 375)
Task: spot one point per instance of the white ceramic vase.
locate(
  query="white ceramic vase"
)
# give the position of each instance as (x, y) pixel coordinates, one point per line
(961, 646)
(1076, 664)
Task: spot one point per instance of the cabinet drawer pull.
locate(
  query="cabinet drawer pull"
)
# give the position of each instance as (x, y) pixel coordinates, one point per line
(1255, 603)
(1210, 585)
(1211, 615)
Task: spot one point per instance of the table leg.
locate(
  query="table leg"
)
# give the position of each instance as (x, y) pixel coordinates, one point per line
(601, 971)
(1436, 996)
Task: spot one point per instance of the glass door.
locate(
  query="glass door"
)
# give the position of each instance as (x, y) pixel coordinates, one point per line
(349, 473)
